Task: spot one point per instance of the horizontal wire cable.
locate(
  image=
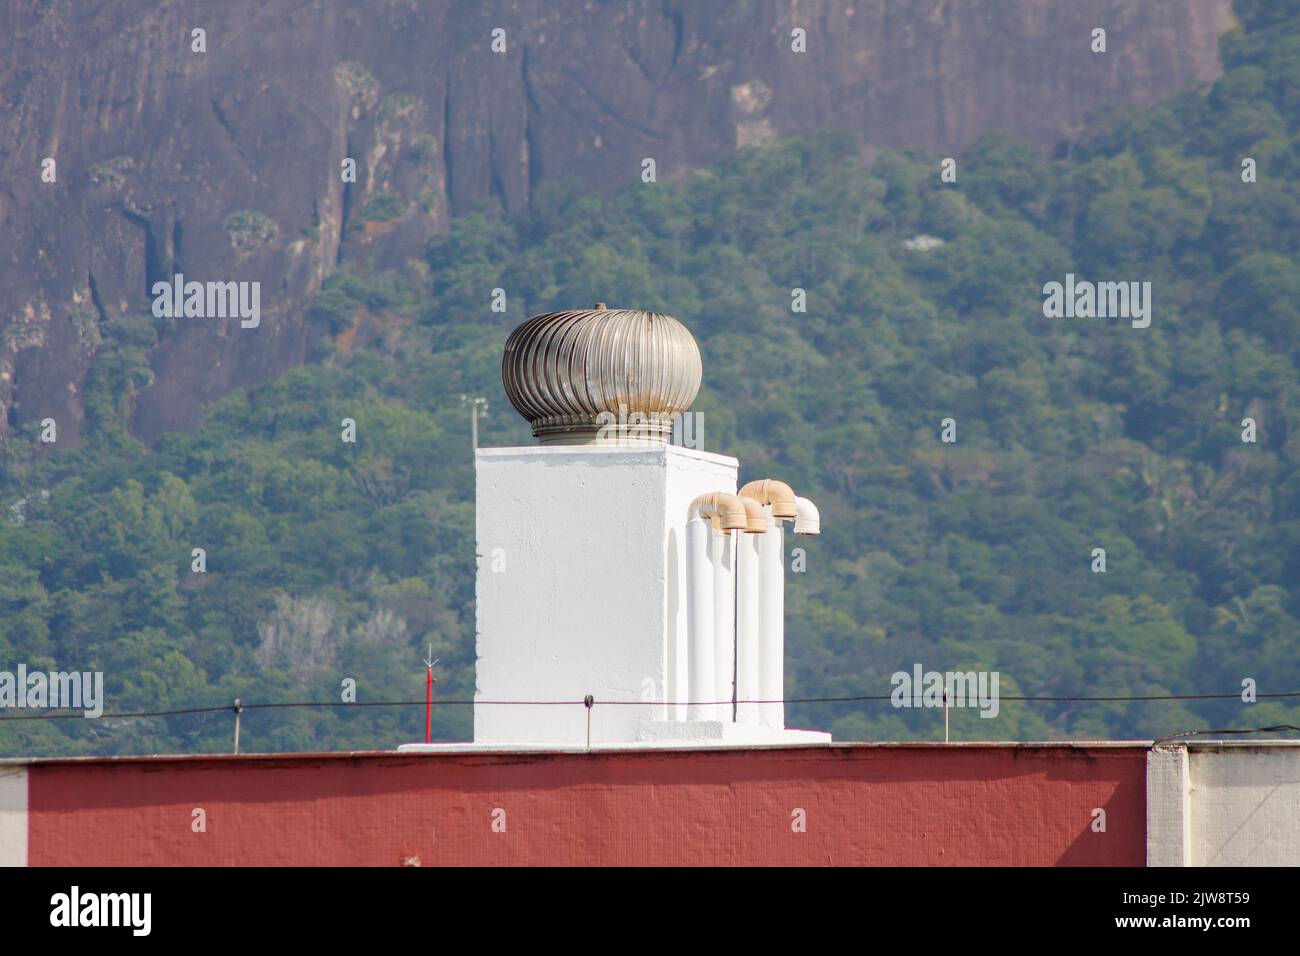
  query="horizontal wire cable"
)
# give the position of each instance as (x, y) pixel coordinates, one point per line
(79, 714)
(1277, 728)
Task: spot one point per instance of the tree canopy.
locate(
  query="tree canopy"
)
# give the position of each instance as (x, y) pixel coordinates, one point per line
(328, 560)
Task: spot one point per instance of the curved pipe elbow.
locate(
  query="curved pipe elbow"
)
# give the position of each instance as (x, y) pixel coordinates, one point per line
(726, 511)
(807, 519)
(757, 517)
(769, 491)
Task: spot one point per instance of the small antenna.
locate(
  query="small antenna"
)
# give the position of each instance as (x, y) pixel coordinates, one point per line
(429, 681)
(478, 407)
(946, 705)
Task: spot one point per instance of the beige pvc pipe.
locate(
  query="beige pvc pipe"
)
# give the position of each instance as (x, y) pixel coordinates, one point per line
(769, 491)
(727, 512)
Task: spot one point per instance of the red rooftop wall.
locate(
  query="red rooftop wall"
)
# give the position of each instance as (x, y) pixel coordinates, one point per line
(863, 805)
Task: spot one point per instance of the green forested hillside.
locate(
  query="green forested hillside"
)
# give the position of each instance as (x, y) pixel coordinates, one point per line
(328, 560)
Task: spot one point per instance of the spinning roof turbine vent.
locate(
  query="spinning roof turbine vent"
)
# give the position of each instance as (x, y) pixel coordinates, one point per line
(601, 375)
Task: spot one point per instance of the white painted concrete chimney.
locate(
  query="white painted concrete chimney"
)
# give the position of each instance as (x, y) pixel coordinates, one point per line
(582, 587)
(583, 542)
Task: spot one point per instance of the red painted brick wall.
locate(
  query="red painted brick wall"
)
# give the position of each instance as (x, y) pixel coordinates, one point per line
(890, 805)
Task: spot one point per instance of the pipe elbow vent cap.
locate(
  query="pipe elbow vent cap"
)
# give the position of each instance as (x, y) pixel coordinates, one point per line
(726, 510)
(808, 520)
(757, 523)
(769, 491)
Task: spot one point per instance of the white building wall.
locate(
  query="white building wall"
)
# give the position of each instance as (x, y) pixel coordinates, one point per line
(1224, 804)
(13, 816)
(1245, 804)
(581, 585)
(1169, 807)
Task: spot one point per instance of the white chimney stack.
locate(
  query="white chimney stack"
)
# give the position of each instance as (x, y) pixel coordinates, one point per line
(613, 565)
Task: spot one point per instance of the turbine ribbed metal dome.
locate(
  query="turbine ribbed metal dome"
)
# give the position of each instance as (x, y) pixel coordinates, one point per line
(599, 374)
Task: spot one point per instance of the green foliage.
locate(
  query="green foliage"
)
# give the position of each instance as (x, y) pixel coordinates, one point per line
(111, 172)
(120, 368)
(328, 559)
(249, 230)
(381, 208)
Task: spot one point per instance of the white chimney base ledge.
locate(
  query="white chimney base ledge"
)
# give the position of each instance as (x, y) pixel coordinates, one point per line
(719, 732)
(724, 465)
(633, 745)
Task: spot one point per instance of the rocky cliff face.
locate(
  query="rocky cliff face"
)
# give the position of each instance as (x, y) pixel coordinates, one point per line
(226, 164)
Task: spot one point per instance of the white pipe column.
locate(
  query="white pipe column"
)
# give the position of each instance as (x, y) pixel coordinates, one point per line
(723, 547)
(710, 604)
(748, 565)
(700, 636)
(771, 625)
